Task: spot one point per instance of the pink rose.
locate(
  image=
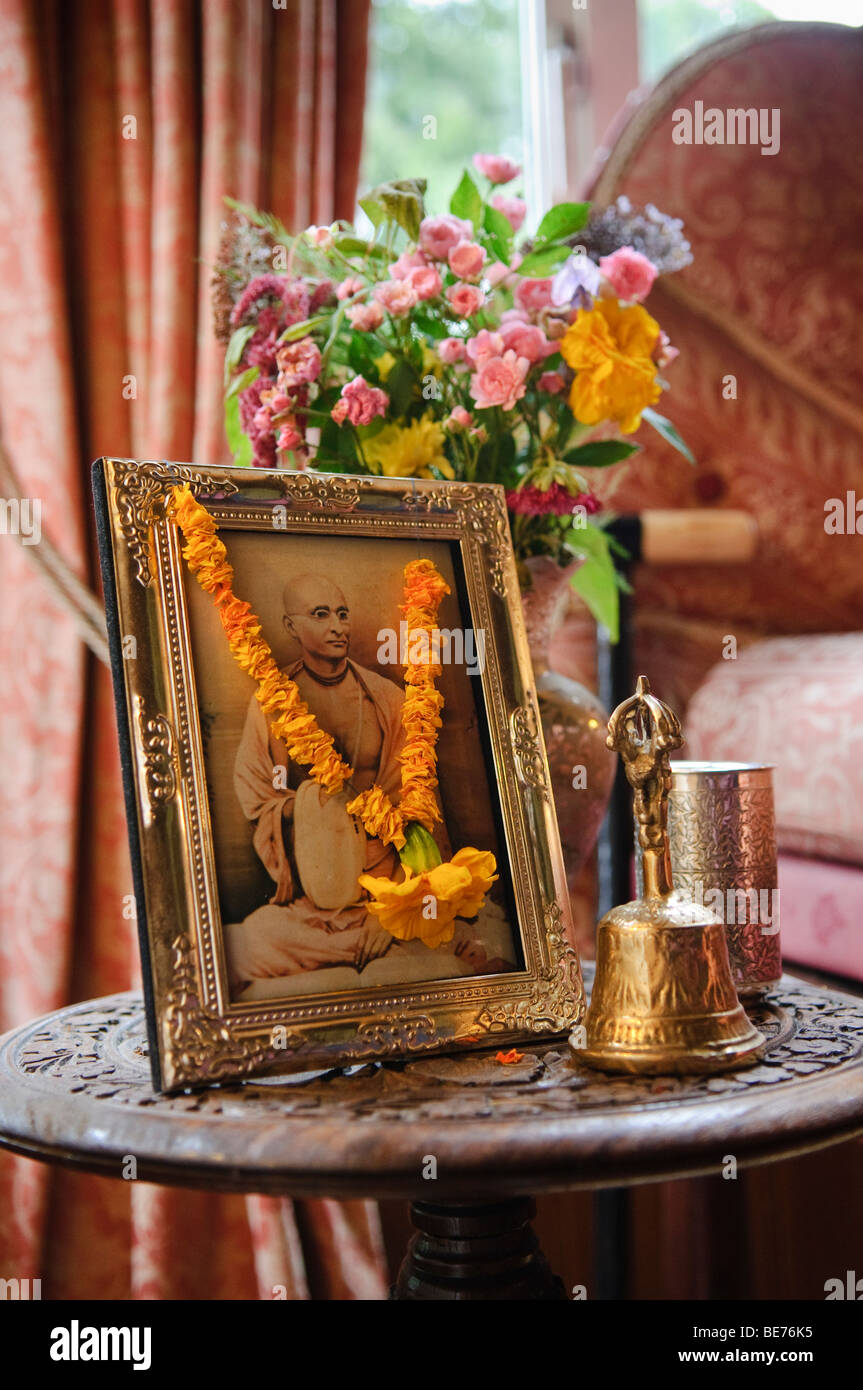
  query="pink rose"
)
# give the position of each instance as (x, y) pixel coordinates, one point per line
(451, 350)
(465, 300)
(366, 317)
(514, 316)
(630, 274)
(533, 295)
(458, 419)
(406, 262)
(320, 236)
(483, 347)
(513, 209)
(349, 287)
(397, 297)
(466, 260)
(500, 381)
(439, 234)
(496, 167)
(526, 340)
(298, 362)
(425, 280)
(359, 403)
(552, 382)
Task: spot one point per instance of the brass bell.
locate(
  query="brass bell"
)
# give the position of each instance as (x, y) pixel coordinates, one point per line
(663, 997)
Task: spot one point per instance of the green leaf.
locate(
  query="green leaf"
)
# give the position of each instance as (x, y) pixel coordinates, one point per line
(600, 454)
(466, 202)
(243, 380)
(235, 349)
(400, 386)
(668, 431)
(428, 324)
(399, 201)
(544, 260)
(238, 442)
(303, 328)
(355, 246)
(563, 220)
(498, 230)
(360, 357)
(374, 211)
(596, 579)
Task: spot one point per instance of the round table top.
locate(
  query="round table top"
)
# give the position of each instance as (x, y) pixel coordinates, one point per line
(75, 1089)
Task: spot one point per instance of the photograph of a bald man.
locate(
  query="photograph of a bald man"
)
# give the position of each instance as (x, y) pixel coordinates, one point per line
(309, 925)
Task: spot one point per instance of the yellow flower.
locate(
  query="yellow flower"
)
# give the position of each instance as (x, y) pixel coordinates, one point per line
(609, 348)
(409, 451)
(425, 905)
(385, 364)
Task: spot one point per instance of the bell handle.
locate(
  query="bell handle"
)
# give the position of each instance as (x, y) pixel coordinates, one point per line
(643, 730)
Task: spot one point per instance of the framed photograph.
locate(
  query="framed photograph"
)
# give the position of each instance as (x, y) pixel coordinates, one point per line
(342, 831)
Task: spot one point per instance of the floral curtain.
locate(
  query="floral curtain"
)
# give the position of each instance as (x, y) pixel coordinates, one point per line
(123, 123)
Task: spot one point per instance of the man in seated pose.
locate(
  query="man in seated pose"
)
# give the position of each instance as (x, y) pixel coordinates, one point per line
(311, 848)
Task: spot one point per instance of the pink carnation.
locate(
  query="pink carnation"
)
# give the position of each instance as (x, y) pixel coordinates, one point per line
(466, 259)
(465, 300)
(439, 234)
(405, 263)
(500, 381)
(630, 274)
(552, 382)
(533, 295)
(483, 347)
(513, 209)
(496, 167)
(298, 362)
(359, 403)
(349, 287)
(425, 280)
(526, 340)
(451, 350)
(289, 438)
(397, 297)
(365, 318)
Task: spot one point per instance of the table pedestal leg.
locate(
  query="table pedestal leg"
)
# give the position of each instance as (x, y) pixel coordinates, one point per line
(475, 1250)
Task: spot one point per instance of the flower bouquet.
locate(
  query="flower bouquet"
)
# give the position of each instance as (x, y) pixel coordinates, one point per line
(438, 346)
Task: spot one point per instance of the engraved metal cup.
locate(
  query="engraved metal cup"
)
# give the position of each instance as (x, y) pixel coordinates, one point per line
(722, 838)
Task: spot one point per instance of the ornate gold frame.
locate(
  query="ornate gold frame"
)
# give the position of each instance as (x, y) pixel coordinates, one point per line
(196, 1033)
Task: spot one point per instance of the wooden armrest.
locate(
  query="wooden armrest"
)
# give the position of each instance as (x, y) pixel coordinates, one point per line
(698, 537)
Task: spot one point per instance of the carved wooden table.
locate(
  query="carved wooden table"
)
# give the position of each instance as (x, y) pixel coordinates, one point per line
(75, 1089)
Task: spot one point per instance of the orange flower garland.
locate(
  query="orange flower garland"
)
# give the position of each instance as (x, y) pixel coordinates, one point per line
(423, 590)
(290, 718)
(457, 888)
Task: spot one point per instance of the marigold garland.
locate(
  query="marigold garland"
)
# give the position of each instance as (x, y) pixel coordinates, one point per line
(290, 718)
(456, 888)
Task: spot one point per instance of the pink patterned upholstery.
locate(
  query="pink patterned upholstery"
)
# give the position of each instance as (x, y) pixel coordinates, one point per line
(820, 906)
(796, 702)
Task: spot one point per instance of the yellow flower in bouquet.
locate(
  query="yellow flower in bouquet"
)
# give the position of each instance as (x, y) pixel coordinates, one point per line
(610, 347)
(409, 451)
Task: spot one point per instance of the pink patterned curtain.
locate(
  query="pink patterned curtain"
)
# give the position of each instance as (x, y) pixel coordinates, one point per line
(122, 125)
